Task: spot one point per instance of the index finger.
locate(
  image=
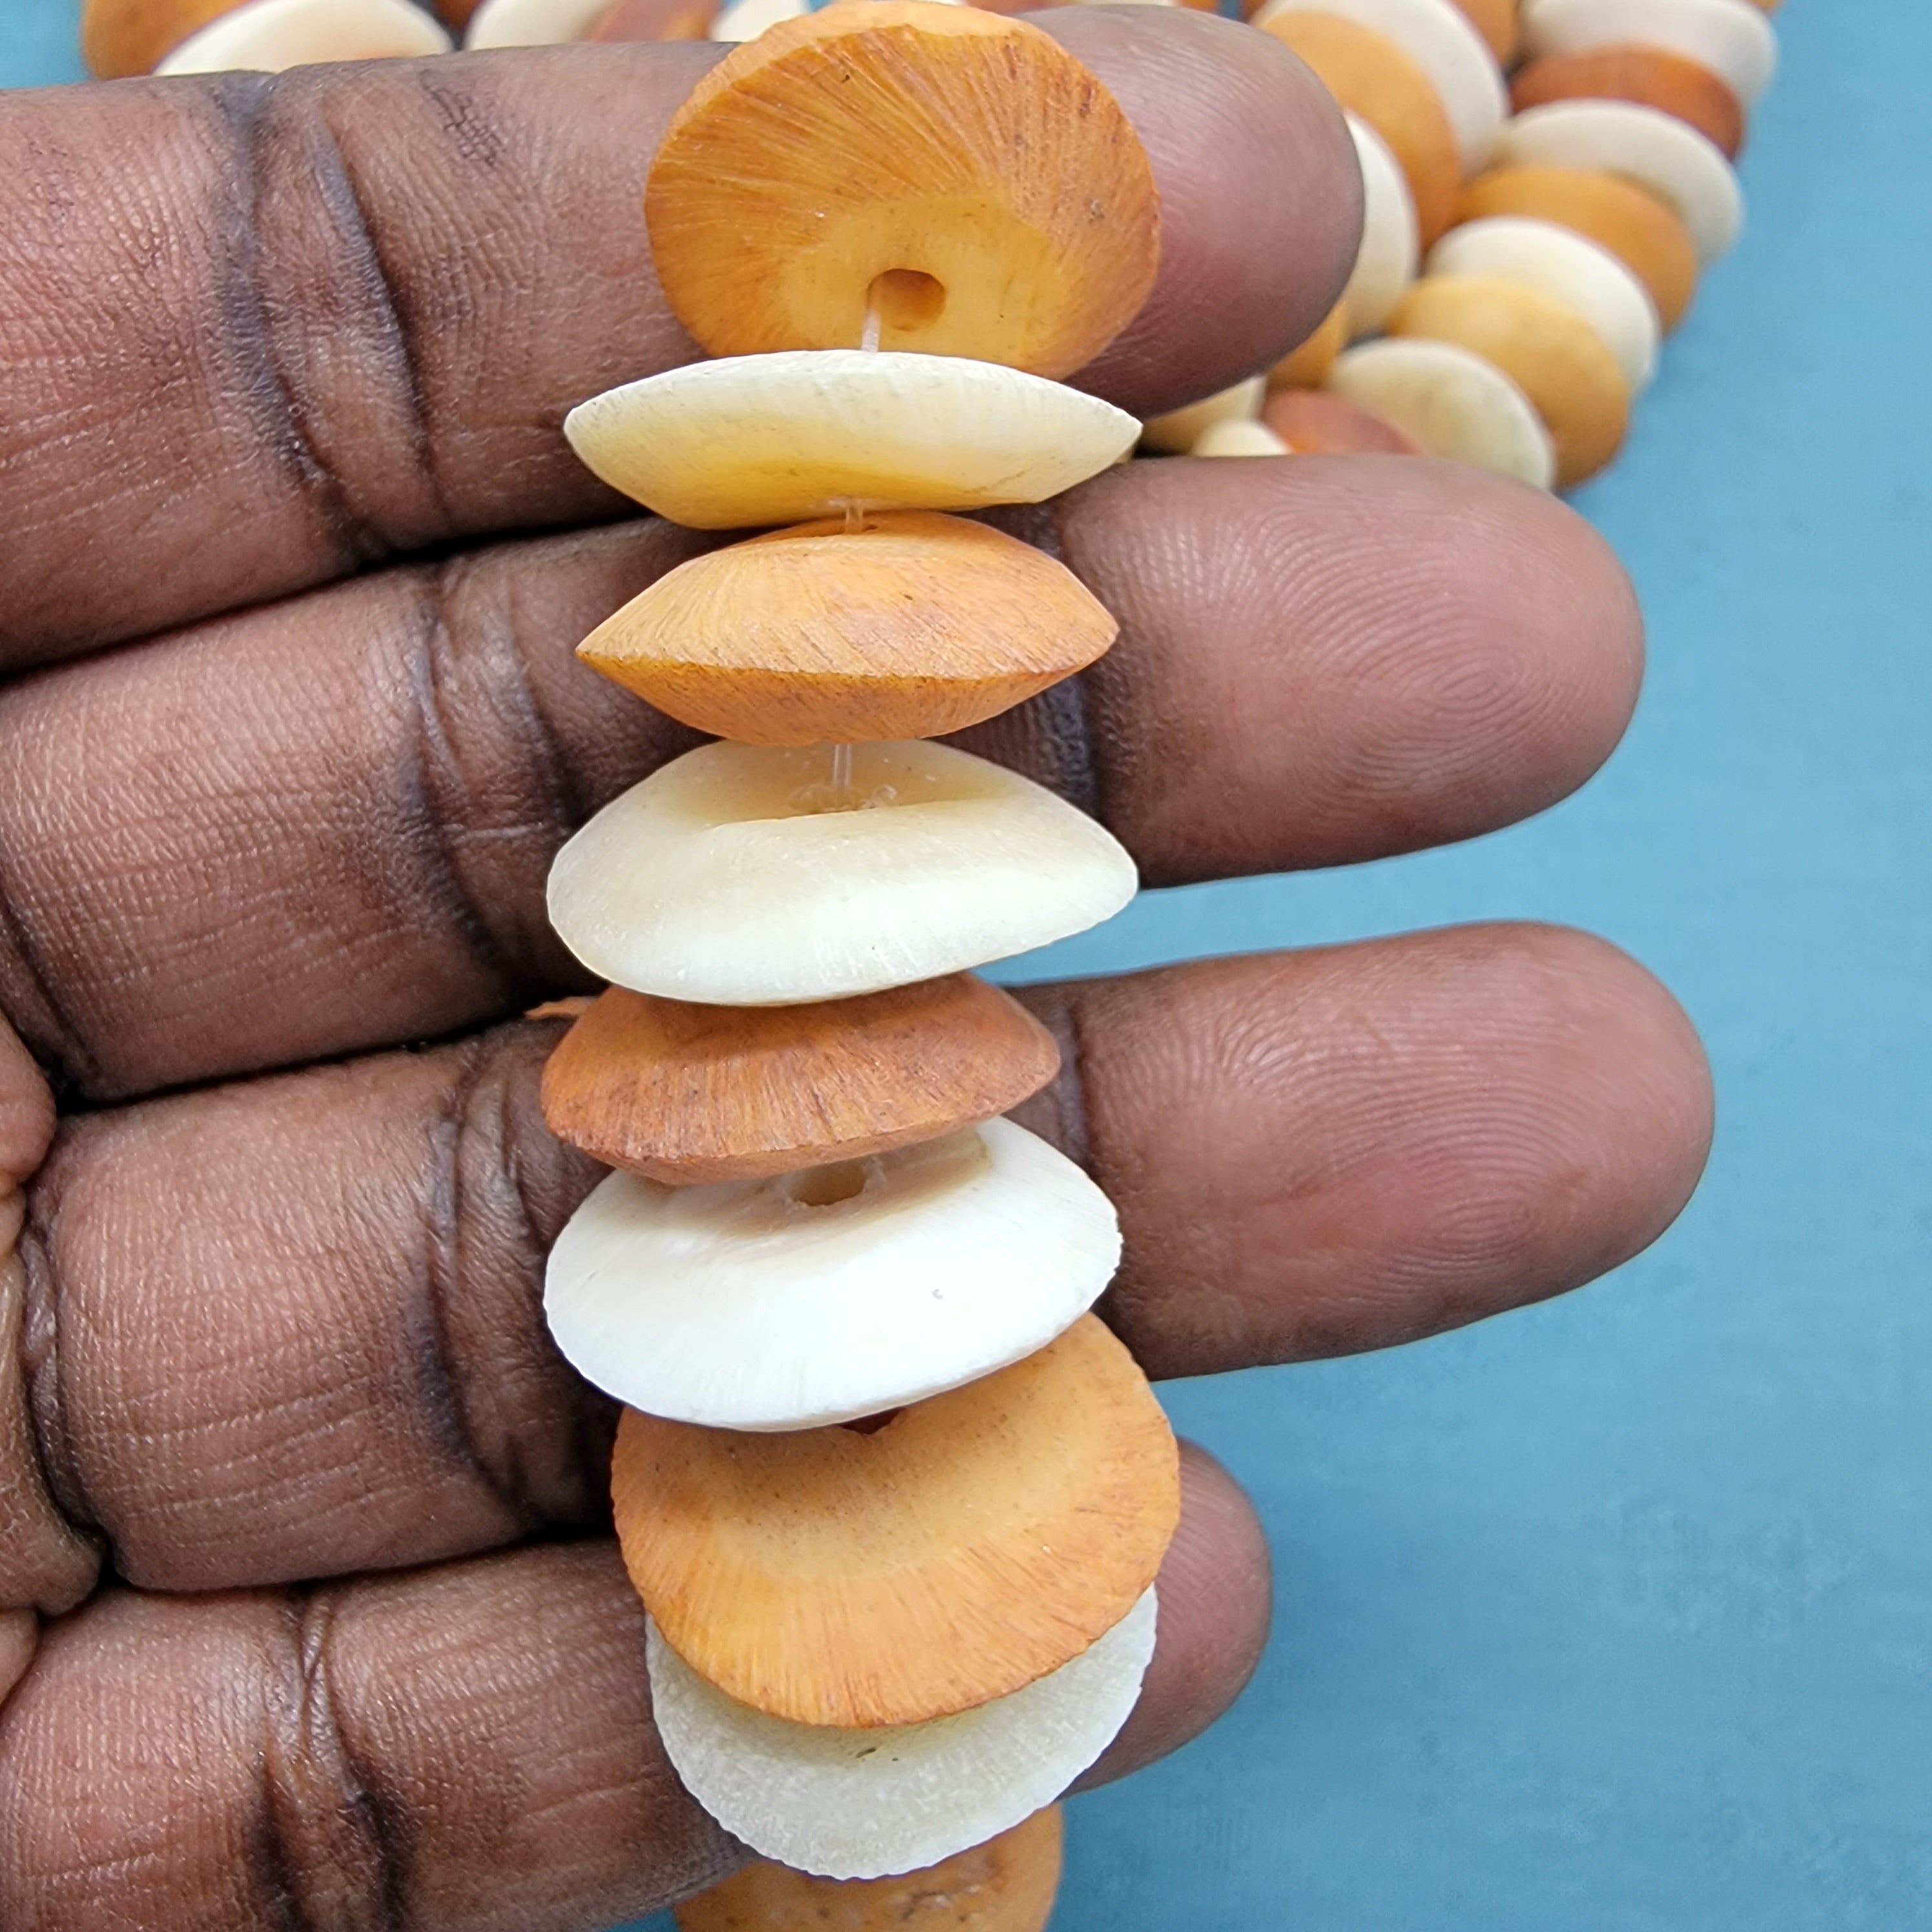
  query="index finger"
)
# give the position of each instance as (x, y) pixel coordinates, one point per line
(339, 315)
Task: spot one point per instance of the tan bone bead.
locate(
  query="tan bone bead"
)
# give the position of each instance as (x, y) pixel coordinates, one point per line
(1007, 1884)
(687, 1094)
(121, 37)
(906, 624)
(973, 1544)
(1544, 346)
(958, 174)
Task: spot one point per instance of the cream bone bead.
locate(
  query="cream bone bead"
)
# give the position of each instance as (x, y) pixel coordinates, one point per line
(532, 23)
(1439, 37)
(862, 1803)
(1179, 430)
(1450, 401)
(746, 19)
(269, 36)
(1687, 173)
(1239, 439)
(1563, 264)
(735, 876)
(833, 1293)
(782, 438)
(1730, 37)
(1385, 263)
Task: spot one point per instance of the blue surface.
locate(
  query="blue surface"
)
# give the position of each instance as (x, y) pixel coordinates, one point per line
(1615, 1615)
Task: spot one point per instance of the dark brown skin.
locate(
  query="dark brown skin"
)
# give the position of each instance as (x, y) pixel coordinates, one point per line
(261, 1342)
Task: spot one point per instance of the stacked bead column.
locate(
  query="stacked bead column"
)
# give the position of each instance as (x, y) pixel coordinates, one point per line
(872, 1644)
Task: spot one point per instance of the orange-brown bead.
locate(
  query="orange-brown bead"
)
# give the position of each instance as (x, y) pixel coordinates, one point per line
(687, 1094)
(972, 1543)
(957, 177)
(1544, 346)
(1369, 75)
(1007, 1884)
(1304, 367)
(121, 37)
(1312, 423)
(905, 624)
(655, 20)
(1650, 76)
(1495, 20)
(1617, 214)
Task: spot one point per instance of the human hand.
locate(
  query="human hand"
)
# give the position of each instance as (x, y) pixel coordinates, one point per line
(263, 1340)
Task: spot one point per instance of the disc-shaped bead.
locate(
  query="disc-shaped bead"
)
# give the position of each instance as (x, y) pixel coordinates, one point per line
(970, 1545)
(269, 36)
(1453, 403)
(1649, 75)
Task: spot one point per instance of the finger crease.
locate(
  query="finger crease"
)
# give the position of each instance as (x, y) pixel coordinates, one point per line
(257, 324)
(41, 1018)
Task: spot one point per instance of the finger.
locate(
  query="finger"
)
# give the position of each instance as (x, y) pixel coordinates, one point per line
(339, 314)
(1322, 659)
(44, 1562)
(465, 1750)
(19, 1632)
(299, 1321)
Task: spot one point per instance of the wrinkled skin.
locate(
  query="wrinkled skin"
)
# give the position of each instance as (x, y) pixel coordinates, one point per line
(308, 1613)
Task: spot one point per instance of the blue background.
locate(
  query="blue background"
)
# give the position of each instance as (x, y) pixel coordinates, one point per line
(1616, 1615)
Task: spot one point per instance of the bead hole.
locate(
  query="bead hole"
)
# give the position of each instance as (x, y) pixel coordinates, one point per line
(826, 1186)
(906, 300)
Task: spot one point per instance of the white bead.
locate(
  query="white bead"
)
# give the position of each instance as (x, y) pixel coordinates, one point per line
(1385, 263)
(782, 438)
(746, 19)
(531, 23)
(1239, 439)
(1451, 402)
(1179, 430)
(1560, 261)
(1657, 152)
(743, 1306)
(1438, 37)
(1730, 37)
(269, 36)
(864, 1804)
(729, 876)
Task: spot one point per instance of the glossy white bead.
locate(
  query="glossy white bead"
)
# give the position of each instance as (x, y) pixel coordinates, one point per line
(1560, 261)
(1451, 402)
(1385, 263)
(270, 36)
(734, 876)
(1438, 37)
(791, 1303)
(531, 23)
(783, 438)
(1732, 38)
(864, 1804)
(1686, 172)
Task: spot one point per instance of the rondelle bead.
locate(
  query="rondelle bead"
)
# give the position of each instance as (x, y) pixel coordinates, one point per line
(1439, 38)
(532, 23)
(775, 438)
(1303, 367)
(121, 37)
(655, 20)
(1544, 346)
(969, 1545)
(745, 875)
(1617, 214)
(957, 176)
(1371, 76)
(1179, 430)
(687, 1094)
(1313, 424)
(1495, 20)
(269, 36)
(833, 1293)
(1453, 402)
(1675, 162)
(860, 1803)
(1646, 75)
(1558, 260)
(1007, 1884)
(1386, 260)
(1239, 439)
(1730, 37)
(896, 624)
